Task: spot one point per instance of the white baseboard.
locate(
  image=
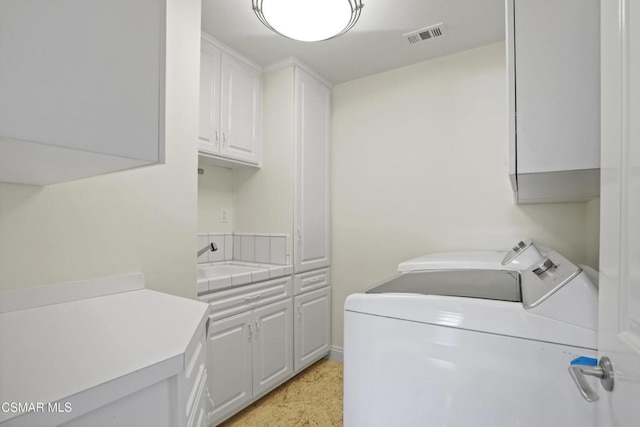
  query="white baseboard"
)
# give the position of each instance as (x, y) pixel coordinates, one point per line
(336, 353)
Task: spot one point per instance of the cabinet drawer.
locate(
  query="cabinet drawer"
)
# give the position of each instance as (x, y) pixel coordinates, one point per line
(237, 300)
(195, 370)
(311, 280)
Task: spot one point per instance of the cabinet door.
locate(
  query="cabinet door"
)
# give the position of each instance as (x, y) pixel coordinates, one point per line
(312, 327)
(82, 88)
(272, 346)
(229, 365)
(209, 124)
(141, 408)
(240, 119)
(311, 213)
(557, 67)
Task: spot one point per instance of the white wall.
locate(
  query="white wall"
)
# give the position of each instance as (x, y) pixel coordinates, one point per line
(215, 192)
(139, 220)
(419, 165)
(592, 234)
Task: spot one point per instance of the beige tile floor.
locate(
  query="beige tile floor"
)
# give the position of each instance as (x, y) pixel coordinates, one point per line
(312, 398)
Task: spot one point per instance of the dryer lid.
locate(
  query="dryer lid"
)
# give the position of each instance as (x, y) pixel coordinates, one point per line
(501, 285)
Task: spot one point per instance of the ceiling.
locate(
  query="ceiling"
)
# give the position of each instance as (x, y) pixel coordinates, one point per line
(374, 45)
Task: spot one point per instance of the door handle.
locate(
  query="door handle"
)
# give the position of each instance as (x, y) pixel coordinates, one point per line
(582, 366)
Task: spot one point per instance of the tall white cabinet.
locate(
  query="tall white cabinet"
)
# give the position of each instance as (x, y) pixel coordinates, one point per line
(262, 334)
(229, 119)
(553, 51)
(292, 194)
(311, 189)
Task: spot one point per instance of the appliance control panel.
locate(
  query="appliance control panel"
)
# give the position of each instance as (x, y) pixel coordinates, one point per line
(522, 255)
(545, 277)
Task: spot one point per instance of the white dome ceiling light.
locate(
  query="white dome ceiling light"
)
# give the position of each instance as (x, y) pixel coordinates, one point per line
(308, 20)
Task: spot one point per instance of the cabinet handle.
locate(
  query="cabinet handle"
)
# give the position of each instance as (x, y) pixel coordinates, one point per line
(299, 236)
(224, 139)
(299, 311)
(257, 328)
(217, 135)
(250, 330)
(252, 298)
(213, 405)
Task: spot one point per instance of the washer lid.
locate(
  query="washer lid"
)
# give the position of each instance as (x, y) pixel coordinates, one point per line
(473, 314)
(455, 260)
(501, 285)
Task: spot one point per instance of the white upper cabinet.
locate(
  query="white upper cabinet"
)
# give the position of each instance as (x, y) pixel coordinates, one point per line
(81, 88)
(230, 90)
(553, 51)
(312, 139)
(240, 111)
(209, 119)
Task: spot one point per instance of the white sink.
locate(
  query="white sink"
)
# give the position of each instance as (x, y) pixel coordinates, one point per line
(212, 271)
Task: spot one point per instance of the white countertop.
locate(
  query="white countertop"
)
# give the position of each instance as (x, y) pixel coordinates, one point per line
(51, 352)
(217, 276)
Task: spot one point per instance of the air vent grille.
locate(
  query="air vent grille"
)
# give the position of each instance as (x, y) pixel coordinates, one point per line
(425, 33)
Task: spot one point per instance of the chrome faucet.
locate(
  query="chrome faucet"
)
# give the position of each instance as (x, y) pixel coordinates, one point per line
(210, 247)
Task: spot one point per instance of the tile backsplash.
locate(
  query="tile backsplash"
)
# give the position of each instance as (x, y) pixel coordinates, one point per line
(246, 247)
(224, 242)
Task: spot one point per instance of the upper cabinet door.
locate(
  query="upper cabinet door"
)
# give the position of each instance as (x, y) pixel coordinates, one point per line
(209, 123)
(557, 84)
(312, 135)
(240, 111)
(82, 87)
(554, 65)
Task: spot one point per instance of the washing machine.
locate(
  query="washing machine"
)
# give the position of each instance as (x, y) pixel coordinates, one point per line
(471, 339)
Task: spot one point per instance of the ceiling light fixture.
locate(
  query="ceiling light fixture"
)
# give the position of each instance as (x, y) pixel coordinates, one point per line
(308, 20)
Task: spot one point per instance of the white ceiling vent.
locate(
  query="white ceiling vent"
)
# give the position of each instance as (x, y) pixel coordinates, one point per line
(434, 31)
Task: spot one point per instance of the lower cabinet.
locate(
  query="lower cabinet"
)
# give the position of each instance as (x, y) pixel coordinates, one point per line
(272, 346)
(183, 396)
(249, 354)
(231, 371)
(192, 383)
(312, 327)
